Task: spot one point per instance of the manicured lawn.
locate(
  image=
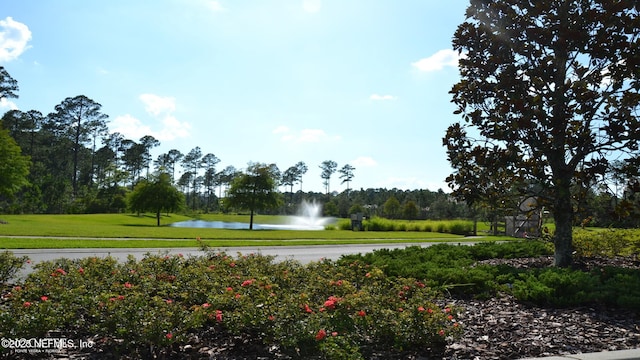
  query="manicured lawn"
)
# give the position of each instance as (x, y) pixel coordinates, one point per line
(126, 230)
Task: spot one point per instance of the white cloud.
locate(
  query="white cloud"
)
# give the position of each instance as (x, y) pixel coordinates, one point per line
(161, 109)
(364, 161)
(173, 128)
(304, 135)
(377, 97)
(14, 37)
(130, 127)
(214, 5)
(156, 105)
(311, 6)
(280, 130)
(438, 61)
(312, 135)
(7, 104)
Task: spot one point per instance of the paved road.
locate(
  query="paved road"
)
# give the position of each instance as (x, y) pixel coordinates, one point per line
(304, 254)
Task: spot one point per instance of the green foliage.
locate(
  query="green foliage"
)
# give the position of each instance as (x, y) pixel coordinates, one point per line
(355, 209)
(254, 190)
(445, 267)
(330, 209)
(10, 265)
(510, 250)
(611, 287)
(512, 134)
(14, 167)
(458, 227)
(410, 210)
(328, 167)
(453, 268)
(144, 307)
(606, 242)
(157, 196)
(392, 208)
(8, 85)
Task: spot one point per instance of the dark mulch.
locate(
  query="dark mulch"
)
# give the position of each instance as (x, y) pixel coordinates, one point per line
(497, 328)
(503, 328)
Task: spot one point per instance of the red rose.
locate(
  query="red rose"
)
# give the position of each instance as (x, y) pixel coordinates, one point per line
(321, 334)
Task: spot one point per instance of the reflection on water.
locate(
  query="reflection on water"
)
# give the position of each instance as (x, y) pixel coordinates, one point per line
(239, 226)
(211, 224)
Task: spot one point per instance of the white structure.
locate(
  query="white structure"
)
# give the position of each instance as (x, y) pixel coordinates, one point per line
(528, 222)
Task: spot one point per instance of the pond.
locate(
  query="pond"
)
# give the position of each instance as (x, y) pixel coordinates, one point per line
(240, 226)
(309, 218)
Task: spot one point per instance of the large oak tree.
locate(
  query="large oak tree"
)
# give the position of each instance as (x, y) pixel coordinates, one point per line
(156, 195)
(549, 94)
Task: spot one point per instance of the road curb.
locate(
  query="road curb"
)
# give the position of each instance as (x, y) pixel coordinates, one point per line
(633, 354)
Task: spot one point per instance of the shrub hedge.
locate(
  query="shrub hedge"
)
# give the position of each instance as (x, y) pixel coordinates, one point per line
(150, 307)
(348, 309)
(457, 227)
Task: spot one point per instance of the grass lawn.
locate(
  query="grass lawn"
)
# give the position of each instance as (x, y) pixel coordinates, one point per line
(127, 230)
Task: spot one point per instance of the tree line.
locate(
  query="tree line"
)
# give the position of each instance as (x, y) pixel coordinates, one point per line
(68, 162)
(71, 163)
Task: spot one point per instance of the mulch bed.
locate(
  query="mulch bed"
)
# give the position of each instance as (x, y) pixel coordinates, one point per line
(503, 328)
(497, 328)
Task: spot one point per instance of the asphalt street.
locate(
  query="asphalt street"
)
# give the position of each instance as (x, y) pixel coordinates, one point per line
(304, 254)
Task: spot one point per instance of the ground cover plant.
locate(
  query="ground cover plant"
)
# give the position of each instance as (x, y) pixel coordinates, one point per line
(461, 271)
(160, 304)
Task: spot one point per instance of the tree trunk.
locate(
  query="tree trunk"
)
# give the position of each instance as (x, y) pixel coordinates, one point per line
(251, 221)
(563, 217)
(158, 217)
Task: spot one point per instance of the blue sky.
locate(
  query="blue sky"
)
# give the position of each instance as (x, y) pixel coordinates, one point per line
(359, 82)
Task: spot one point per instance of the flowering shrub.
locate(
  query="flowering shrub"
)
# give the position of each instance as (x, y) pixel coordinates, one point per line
(148, 307)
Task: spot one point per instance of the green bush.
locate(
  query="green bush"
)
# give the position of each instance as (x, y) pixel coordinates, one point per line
(458, 227)
(453, 269)
(610, 287)
(10, 265)
(605, 242)
(510, 250)
(461, 227)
